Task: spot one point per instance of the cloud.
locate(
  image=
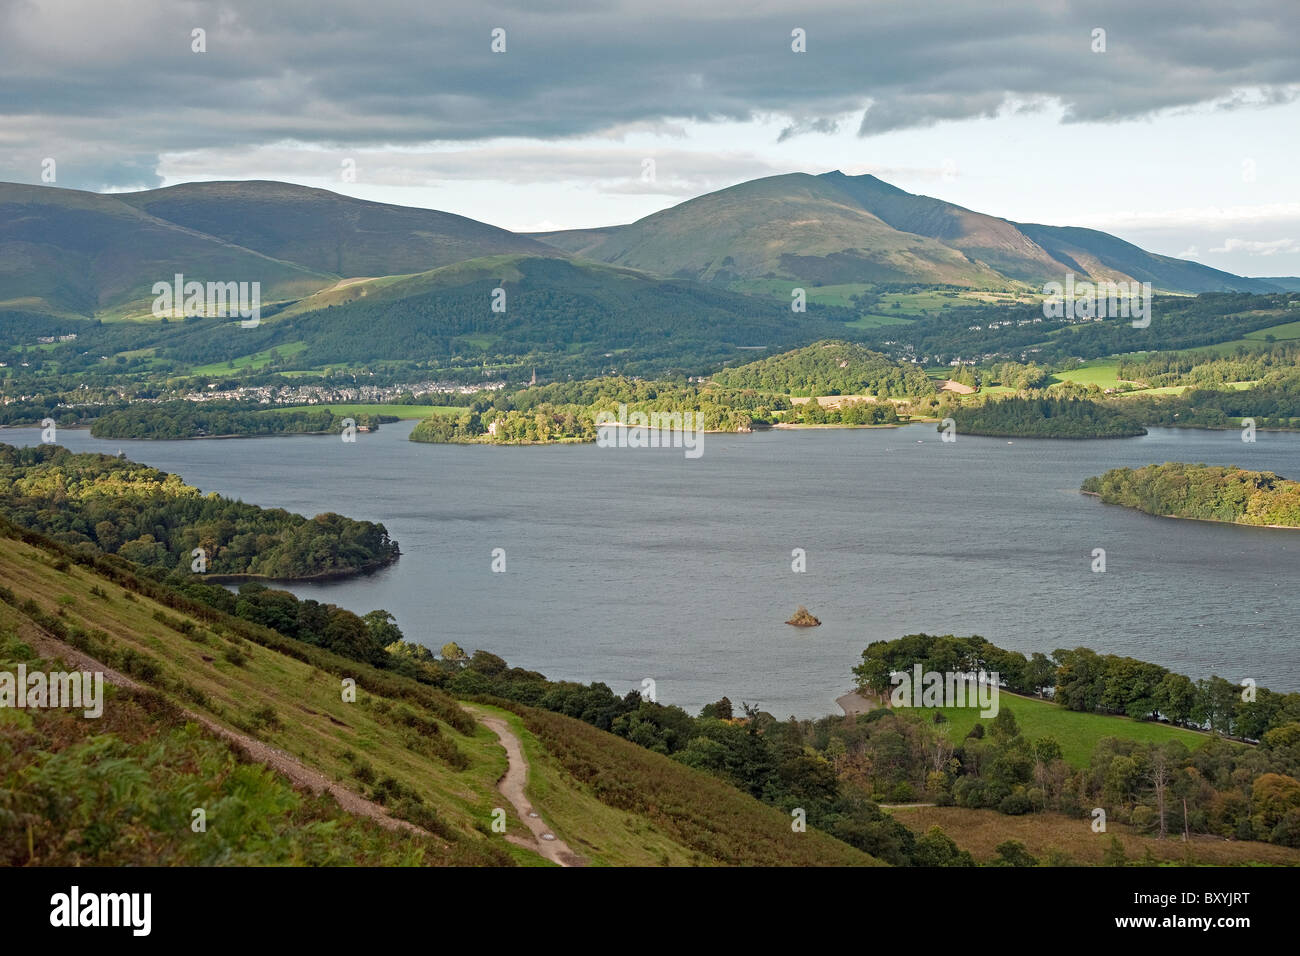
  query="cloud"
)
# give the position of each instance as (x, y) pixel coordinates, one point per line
(1259, 247)
(109, 86)
(822, 125)
(593, 166)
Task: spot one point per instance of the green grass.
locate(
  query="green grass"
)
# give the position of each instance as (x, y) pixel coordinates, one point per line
(1282, 333)
(1104, 373)
(254, 361)
(401, 411)
(873, 321)
(1076, 732)
(575, 813)
(119, 791)
(712, 820)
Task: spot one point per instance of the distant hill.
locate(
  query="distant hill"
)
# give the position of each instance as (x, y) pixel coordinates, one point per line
(667, 283)
(327, 232)
(830, 368)
(794, 226)
(583, 317)
(80, 253)
(835, 228)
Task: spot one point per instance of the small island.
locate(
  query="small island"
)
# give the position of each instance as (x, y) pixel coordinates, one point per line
(1202, 492)
(1038, 415)
(803, 619)
(181, 419)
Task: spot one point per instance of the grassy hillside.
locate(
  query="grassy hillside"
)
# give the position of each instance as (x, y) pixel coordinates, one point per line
(401, 745)
(575, 317)
(79, 253)
(327, 232)
(834, 228)
(122, 790)
(795, 226)
(1077, 732)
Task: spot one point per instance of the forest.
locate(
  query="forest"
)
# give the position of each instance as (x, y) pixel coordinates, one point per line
(1274, 402)
(114, 506)
(1044, 415)
(1020, 332)
(1238, 791)
(1206, 492)
(567, 410)
(830, 368)
(181, 419)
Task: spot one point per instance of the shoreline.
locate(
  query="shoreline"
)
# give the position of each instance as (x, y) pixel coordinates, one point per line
(335, 575)
(1154, 514)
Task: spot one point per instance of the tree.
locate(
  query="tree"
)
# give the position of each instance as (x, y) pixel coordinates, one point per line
(1114, 855)
(383, 627)
(720, 709)
(1158, 775)
(936, 848)
(1004, 725)
(1014, 853)
(1040, 673)
(453, 654)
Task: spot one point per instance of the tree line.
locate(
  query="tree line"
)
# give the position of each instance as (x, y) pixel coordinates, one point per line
(1044, 415)
(1207, 492)
(111, 505)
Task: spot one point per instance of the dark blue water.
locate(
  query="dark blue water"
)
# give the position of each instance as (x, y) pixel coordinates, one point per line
(631, 563)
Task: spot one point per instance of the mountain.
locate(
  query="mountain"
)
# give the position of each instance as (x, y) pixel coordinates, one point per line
(834, 228)
(81, 253)
(794, 226)
(76, 253)
(326, 232)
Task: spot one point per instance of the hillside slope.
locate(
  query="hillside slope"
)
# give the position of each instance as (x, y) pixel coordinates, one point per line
(81, 253)
(328, 232)
(574, 312)
(833, 228)
(794, 226)
(402, 745)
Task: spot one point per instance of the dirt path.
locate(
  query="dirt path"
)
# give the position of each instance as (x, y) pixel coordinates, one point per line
(512, 788)
(284, 763)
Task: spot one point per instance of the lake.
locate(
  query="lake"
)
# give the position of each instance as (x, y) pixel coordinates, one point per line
(625, 563)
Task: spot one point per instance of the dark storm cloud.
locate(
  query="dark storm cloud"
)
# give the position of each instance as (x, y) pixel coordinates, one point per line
(111, 83)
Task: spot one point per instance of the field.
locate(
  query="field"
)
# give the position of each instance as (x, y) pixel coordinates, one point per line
(1280, 333)
(1104, 373)
(1076, 732)
(980, 831)
(245, 363)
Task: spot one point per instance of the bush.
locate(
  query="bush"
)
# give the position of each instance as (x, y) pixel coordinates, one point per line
(1015, 804)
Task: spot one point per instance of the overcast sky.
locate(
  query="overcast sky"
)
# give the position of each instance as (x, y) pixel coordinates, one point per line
(1181, 136)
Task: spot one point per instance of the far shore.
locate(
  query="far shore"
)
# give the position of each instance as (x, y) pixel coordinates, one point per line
(336, 575)
(1235, 524)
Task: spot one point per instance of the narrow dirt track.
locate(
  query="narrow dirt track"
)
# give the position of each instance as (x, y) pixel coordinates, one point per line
(512, 788)
(284, 763)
